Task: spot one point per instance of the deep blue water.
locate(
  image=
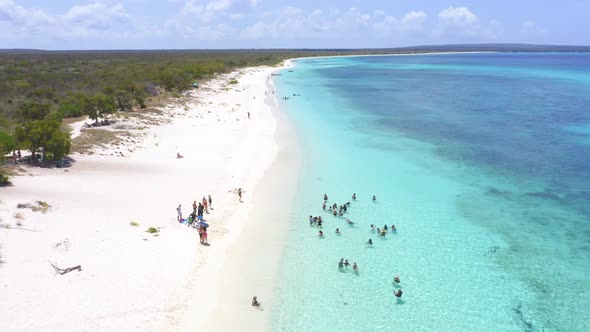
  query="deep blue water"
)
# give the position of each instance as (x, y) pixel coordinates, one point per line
(483, 163)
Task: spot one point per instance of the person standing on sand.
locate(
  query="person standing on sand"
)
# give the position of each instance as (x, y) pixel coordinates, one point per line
(248, 115)
(240, 193)
(194, 206)
(205, 235)
(179, 211)
(210, 202)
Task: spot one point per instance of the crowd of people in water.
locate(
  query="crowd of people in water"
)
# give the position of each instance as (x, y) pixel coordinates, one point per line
(338, 210)
(195, 218)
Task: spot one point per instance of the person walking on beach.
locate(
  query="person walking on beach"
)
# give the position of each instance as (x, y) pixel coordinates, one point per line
(195, 207)
(210, 202)
(240, 193)
(248, 115)
(179, 211)
(205, 204)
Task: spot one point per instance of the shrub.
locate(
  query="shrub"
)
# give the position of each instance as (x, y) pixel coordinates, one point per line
(234, 81)
(152, 230)
(133, 223)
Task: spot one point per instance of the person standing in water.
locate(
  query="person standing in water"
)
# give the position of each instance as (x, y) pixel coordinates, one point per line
(354, 196)
(341, 263)
(325, 198)
(374, 198)
(355, 267)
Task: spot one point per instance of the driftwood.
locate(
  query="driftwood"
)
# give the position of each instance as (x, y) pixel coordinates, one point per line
(66, 270)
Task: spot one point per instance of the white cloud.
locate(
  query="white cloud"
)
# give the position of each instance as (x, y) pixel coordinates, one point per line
(96, 15)
(458, 16)
(30, 18)
(531, 28)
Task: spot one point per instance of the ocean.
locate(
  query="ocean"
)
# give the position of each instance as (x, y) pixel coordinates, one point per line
(482, 163)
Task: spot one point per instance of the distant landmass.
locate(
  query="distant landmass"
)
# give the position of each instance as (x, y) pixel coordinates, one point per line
(408, 49)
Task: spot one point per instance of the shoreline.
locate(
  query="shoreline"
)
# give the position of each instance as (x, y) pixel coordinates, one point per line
(253, 260)
(130, 279)
(386, 54)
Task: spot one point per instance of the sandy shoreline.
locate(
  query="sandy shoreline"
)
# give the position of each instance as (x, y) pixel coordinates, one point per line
(135, 281)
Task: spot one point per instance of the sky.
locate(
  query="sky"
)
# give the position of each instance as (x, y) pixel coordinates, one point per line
(198, 24)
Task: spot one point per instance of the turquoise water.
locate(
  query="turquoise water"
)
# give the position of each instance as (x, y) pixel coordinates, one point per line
(482, 162)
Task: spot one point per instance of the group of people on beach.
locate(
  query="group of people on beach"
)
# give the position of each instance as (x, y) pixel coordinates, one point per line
(195, 218)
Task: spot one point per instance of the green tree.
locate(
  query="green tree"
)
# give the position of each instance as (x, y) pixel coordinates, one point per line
(7, 144)
(98, 106)
(44, 136)
(32, 111)
(71, 105)
(124, 100)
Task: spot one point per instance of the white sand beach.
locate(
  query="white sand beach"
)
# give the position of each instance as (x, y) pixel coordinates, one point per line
(132, 280)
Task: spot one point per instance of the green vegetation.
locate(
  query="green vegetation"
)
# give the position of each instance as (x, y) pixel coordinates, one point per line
(41, 88)
(152, 230)
(133, 223)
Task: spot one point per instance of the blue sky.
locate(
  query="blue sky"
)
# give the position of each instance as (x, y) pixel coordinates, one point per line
(178, 24)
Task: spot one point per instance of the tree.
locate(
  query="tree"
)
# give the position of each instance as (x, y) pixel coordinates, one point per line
(71, 105)
(98, 106)
(32, 111)
(7, 144)
(46, 135)
(124, 100)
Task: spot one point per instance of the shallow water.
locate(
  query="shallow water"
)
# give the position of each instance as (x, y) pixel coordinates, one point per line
(480, 160)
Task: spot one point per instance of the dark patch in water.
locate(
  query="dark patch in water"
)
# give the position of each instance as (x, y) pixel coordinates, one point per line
(545, 195)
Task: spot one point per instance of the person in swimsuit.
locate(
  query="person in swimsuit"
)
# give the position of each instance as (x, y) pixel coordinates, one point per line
(355, 267)
(255, 302)
(311, 221)
(374, 198)
(325, 197)
(370, 242)
(383, 232)
(210, 202)
(385, 227)
(372, 228)
(393, 229)
(346, 263)
(354, 196)
(396, 279)
(179, 212)
(321, 234)
(240, 193)
(337, 231)
(398, 293)
(341, 263)
(205, 235)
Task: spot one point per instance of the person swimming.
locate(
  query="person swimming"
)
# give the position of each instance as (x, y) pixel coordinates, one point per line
(393, 229)
(341, 263)
(346, 263)
(370, 242)
(396, 279)
(321, 234)
(354, 196)
(398, 293)
(337, 231)
(385, 227)
(374, 198)
(355, 267)
(372, 228)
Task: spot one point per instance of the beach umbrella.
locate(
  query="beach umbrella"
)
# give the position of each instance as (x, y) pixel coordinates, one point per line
(204, 224)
